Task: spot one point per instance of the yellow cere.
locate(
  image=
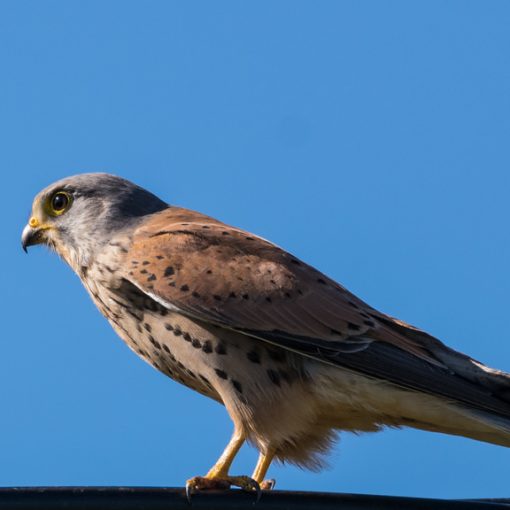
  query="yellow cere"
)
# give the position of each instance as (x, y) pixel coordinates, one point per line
(33, 222)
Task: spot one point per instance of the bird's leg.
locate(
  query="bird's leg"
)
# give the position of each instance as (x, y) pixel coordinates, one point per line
(218, 477)
(220, 469)
(260, 471)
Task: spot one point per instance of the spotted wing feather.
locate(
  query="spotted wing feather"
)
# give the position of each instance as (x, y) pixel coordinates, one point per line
(220, 274)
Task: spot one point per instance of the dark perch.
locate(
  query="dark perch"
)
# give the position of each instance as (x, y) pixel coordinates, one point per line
(142, 498)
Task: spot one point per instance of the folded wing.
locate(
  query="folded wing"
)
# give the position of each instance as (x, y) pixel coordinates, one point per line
(219, 274)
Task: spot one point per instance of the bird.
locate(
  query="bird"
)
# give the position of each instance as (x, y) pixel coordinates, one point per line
(294, 357)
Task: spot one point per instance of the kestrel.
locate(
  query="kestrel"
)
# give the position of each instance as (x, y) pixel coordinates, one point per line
(292, 355)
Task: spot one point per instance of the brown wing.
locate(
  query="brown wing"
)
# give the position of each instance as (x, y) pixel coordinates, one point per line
(220, 274)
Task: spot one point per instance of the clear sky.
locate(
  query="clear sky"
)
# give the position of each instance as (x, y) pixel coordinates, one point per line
(371, 139)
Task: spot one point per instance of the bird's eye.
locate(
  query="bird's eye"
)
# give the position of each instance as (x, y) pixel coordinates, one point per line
(60, 202)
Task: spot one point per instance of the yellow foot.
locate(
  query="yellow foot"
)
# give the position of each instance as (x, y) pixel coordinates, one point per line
(199, 483)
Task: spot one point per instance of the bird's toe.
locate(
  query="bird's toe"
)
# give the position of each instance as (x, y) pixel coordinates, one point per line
(204, 483)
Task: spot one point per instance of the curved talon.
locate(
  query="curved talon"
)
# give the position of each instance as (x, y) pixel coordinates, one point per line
(268, 485)
(188, 492)
(249, 485)
(198, 483)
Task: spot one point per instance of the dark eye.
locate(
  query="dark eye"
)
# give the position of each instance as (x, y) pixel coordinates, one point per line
(59, 202)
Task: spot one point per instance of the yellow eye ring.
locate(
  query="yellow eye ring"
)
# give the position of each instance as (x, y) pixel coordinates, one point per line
(59, 202)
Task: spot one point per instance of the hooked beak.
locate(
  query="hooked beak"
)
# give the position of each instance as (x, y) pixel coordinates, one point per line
(33, 233)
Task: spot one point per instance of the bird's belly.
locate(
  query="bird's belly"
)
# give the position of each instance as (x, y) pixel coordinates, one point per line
(257, 382)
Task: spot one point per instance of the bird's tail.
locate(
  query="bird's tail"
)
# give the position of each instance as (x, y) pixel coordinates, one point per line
(474, 424)
(363, 403)
(477, 396)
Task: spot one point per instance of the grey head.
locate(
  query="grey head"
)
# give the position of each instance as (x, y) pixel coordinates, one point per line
(77, 215)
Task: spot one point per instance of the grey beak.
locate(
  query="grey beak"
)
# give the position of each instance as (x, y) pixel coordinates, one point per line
(29, 237)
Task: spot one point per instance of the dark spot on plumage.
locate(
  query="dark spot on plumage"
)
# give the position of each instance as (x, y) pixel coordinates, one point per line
(237, 385)
(353, 327)
(272, 281)
(169, 271)
(246, 296)
(220, 349)
(184, 224)
(248, 238)
(162, 233)
(300, 292)
(84, 270)
(253, 356)
(216, 297)
(268, 299)
(335, 332)
(195, 294)
(353, 304)
(150, 286)
(154, 342)
(274, 377)
(177, 331)
(225, 233)
(145, 263)
(181, 366)
(151, 278)
(321, 281)
(287, 295)
(142, 352)
(134, 262)
(144, 271)
(296, 262)
(139, 328)
(184, 288)
(369, 323)
(209, 271)
(221, 373)
(159, 257)
(171, 284)
(232, 295)
(207, 346)
(276, 355)
(169, 327)
(163, 312)
(196, 343)
(130, 273)
(205, 227)
(147, 327)
(165, 347)
(285, 376)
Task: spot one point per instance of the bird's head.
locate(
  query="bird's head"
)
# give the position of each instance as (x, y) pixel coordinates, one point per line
(77, 215)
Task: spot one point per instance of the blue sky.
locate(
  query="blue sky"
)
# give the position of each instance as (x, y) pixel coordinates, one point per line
(369, 138)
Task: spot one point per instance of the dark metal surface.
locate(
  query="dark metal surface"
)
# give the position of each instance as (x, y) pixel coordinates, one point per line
(131, 498)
